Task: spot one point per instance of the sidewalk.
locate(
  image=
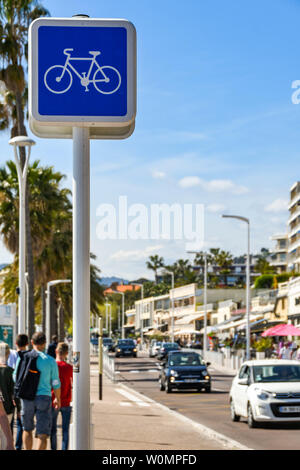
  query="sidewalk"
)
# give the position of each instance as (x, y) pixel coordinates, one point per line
(126, 420)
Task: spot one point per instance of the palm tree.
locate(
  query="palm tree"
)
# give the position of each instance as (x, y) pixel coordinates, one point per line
(15, 17)
(49, 208)
(224, 260)
(155, 262)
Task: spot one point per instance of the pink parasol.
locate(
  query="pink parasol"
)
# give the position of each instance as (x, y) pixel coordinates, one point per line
(282, 330)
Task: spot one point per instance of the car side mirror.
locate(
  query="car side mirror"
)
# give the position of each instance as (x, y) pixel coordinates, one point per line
(243, 381)
(208, 364)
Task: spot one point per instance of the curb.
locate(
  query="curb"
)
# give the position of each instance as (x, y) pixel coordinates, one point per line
(210, 433)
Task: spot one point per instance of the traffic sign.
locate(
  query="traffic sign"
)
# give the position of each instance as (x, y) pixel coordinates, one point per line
(82, 72)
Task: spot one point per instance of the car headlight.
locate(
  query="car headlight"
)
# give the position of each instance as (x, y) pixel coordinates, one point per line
(119, 350)
(174, 373)
(207, 377)
(263, 394)
(134, 350)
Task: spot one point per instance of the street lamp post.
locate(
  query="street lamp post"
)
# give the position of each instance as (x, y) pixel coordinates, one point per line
(123, 295)
(18, 142)
(48, 305)
(172, 303)
(204, 301)
(108, 318)
(247, 221)
(141, 322)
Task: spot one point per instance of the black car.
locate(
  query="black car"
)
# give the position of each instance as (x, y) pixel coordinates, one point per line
(108, 344)
(165, 349)
(125, 347)
(184, 370)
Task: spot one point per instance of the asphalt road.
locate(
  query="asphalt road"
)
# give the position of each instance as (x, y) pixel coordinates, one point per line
(209, 409)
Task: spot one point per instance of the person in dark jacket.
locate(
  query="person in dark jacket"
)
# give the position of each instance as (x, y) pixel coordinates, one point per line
(51, 351)
(7, 383)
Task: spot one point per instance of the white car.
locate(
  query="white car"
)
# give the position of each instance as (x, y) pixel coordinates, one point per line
(266, 391)
(154, 348)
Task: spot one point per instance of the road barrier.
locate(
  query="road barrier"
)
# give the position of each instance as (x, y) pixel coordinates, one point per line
(109, 365)
(228, 360)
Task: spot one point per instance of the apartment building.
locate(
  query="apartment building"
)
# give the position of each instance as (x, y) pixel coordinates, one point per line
(294, 228)
(294, 301)
(279, 254)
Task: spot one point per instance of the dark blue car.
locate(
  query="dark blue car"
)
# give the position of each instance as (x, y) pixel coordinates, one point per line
(184, 370)
(125, 347)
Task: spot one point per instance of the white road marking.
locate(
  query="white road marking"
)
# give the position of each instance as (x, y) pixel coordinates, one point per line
(211, 433)
(135, 399)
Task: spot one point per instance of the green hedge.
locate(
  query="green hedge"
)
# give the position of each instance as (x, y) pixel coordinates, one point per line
(266, 281)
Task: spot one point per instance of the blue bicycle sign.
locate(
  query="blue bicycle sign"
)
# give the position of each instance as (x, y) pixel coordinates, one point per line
(106, 79)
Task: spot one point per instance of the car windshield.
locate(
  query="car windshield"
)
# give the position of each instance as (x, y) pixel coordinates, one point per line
(126, 342)
(277, 373)
(183, 359)
(107, 340)
(170, 346)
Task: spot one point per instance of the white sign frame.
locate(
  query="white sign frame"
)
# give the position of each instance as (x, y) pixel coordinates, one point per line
(101, 127)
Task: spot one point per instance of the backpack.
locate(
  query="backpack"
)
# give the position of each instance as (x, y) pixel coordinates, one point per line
(27, 376)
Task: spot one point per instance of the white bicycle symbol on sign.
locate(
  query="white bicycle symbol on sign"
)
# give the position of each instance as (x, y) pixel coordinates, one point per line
(106, 79)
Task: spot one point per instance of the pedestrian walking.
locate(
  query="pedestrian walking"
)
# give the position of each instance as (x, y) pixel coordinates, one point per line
(21, 346)
(285, 352)
(6, 440)
(66, 379)
(36, 374)
(51, 351)
(6, 382)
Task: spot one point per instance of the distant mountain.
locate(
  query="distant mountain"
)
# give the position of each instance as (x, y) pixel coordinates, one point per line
(107, 281)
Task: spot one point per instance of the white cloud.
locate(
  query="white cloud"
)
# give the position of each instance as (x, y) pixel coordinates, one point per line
(190, 181)
(158, 175)
(123, 255)
(215, 207)
(217, 185)
(279, 205)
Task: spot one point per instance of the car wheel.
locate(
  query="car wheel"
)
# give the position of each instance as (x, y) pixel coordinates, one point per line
(168, 388)
(234, 416)
(162, 386)
(208, 389)
(251, 421)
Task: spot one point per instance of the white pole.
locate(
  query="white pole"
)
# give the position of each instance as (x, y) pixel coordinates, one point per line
(110, 320)
(22, 176)
(248, 293)
(81, 288)
(106, 318)
(48, 305)
(205, 307)
(172, 274)
(48, 311)
(245, 219)
(123, 322)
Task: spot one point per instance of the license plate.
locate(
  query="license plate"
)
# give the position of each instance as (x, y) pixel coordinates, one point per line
(190, 380)
(289, 409)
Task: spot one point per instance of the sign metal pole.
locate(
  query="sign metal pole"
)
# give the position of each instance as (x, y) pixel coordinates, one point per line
(81, 287)
(100, 346)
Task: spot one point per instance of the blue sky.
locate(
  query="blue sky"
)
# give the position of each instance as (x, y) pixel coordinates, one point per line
(215, 123)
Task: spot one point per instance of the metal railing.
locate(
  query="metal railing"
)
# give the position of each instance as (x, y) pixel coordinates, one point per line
(109, 365)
